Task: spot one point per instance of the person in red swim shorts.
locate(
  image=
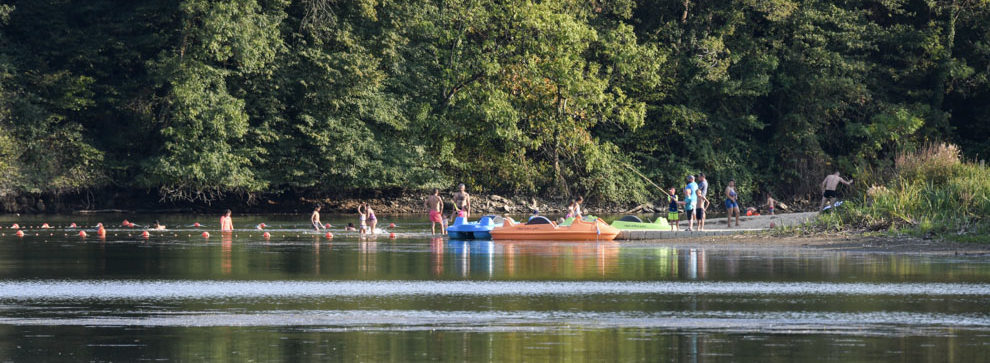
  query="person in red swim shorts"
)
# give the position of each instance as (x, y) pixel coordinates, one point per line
(434, 206)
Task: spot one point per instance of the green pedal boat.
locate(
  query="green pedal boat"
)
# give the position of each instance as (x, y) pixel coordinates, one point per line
(636, 224)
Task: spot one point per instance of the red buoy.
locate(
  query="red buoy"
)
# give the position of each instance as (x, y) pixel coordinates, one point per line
(145, 234)
(260, 226)
(206, 234)
(73, 225)
(15, 226)
(45, 226)
(391, 235)
(82, 233)
(263, 225)
(125, 223)
(20, 233)
(327, 225)
(267, 235)
(196, 224)
(391, 225)
(329, 235)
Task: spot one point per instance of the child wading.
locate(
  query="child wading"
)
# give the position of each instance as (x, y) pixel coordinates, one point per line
(363, 218)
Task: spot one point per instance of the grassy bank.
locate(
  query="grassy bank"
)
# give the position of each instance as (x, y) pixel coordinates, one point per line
(928, 193)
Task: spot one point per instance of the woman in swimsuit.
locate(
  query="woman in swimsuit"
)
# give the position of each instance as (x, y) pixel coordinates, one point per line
(731, 203)
(372, 221)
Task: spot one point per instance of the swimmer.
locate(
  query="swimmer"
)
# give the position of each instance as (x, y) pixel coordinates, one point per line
(434, 208)
(372, 221)
(314, 218)
(226, 223)
(350, 227)
(158, 226)
(363, 219)
(462, 202)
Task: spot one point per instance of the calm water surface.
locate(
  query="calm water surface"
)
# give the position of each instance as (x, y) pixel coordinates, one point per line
(299, 296)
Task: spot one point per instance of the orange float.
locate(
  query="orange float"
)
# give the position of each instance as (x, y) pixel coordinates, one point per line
(20, 233)
(541, 228)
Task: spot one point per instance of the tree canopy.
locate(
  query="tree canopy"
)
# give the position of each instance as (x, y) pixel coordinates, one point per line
(198, 98)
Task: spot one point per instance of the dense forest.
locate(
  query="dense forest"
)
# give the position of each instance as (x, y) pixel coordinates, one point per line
(200, 100)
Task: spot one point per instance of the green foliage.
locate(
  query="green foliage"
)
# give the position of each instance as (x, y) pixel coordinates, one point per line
(199, 98)
(931, 192)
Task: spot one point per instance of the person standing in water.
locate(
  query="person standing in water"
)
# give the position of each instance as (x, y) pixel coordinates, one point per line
(434, 207)
(829, 185)
(314, 218)
(372, 220)
(462, 202)
(363, 217)
(731, 203)
(226, 223)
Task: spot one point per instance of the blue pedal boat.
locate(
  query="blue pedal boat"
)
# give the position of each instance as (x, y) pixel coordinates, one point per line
(482, 229)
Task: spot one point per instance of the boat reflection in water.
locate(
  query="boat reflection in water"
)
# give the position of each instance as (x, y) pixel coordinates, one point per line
(473, 255)
(564, 260)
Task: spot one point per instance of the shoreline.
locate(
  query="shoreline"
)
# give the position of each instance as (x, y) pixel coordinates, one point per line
(832, 242)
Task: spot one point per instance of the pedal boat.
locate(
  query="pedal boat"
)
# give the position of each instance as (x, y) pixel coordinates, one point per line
(633, 223)
(542, 229)
(481, 229)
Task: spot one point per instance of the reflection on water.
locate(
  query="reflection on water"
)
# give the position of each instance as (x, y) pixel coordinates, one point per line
(300, 296)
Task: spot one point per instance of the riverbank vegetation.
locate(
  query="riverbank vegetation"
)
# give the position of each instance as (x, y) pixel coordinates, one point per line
(930, 192)
(198, 100)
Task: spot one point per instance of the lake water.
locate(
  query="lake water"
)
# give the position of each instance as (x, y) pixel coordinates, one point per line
(301, 297)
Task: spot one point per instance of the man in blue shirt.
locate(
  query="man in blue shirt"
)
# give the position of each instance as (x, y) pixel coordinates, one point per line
(691, 184)
(690, 200)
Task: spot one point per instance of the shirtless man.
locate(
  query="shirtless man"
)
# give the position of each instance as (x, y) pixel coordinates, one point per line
(434, 206)
(226, 223)
(828, 188)
(462, 201)
(315, 218)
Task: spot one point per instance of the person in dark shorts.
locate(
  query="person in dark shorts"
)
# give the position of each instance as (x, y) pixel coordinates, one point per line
(829, 185)
(701, 210)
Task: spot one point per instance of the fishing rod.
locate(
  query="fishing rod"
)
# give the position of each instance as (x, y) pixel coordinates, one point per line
(647, 179)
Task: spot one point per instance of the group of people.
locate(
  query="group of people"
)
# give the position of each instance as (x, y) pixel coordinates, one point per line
(435, 207)
(696, 203)
(367, 221)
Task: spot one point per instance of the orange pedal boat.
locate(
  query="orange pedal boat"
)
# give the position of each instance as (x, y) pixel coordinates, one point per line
(541, 228)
